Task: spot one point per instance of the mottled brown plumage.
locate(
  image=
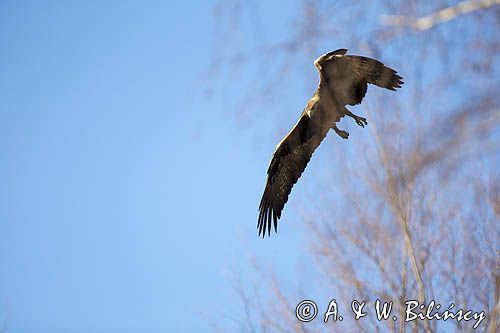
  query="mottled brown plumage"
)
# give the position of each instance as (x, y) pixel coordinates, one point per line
(343, 81)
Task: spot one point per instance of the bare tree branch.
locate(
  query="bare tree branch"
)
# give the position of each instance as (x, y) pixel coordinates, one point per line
(439, 17)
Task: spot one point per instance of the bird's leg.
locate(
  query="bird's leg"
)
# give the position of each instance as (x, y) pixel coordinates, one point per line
(343, 134)
(359, 120)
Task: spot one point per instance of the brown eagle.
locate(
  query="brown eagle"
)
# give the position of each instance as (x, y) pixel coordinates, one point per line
(343, 80)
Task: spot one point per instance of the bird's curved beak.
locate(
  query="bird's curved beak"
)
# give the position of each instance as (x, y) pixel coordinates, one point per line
(327, 56)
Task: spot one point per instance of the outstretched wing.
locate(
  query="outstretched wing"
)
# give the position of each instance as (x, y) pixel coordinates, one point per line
(287, 164)
(348, 77)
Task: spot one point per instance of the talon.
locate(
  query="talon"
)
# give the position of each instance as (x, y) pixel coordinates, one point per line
(361, 121)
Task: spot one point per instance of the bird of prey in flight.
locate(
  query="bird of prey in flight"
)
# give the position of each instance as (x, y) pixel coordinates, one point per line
(343, 80)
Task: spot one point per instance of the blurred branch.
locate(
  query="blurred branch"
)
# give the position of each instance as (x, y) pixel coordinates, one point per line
(444, 15)
(495, 313)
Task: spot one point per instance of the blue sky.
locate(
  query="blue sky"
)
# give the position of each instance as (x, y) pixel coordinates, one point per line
(125, 193)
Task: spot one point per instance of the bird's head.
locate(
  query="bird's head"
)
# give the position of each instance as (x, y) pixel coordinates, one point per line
(327, 57)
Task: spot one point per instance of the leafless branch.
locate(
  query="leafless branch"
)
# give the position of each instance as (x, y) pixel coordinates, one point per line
(439, 17)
